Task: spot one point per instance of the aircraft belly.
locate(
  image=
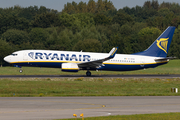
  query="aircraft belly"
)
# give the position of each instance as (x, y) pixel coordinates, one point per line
(121, 67)
(41, 64)
(112, 67)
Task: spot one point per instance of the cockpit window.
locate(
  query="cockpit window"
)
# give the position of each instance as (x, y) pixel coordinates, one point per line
(14, 54)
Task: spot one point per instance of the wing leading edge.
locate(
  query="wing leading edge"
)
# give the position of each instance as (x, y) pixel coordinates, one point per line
(96, 63)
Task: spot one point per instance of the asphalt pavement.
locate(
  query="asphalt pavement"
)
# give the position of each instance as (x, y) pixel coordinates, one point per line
(47, 108)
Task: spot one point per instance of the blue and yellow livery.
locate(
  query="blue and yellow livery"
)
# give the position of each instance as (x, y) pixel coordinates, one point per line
(70, 61)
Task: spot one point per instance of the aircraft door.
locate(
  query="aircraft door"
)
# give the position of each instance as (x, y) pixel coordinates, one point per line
(25, 57)
(142, 62)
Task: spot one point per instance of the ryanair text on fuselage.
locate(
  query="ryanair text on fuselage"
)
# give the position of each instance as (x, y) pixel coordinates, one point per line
(56, 56)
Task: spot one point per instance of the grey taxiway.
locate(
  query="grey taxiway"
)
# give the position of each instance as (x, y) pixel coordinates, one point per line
(38, 108)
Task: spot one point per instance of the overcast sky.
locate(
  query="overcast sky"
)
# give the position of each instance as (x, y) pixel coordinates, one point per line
(59, 4)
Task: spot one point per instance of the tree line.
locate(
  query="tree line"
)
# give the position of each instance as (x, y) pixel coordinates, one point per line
(93, 26)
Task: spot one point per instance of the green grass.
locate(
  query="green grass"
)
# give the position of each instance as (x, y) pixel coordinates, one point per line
(173, 67)
(88, 87)
(162, 116)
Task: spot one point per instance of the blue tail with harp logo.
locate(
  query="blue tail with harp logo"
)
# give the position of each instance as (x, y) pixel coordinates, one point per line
(161, 45)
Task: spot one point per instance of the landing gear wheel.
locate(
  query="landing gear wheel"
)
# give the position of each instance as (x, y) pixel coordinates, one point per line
(20, 70)
(88, 73)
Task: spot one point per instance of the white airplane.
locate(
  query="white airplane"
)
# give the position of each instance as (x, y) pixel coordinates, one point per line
(70, 61)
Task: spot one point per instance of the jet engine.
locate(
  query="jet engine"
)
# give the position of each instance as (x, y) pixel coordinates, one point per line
(69, 67)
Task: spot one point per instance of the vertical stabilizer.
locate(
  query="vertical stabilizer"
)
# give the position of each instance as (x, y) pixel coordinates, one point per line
(161, 45)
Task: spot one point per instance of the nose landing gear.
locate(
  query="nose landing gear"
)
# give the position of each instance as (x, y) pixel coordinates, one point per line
(20, 70)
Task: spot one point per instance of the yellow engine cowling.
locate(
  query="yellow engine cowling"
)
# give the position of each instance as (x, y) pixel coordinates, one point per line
(69, 67)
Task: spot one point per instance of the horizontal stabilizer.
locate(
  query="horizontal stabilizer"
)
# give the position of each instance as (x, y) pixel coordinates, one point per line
(167, 58)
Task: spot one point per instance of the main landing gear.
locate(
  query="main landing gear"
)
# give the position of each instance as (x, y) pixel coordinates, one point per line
(88, 73)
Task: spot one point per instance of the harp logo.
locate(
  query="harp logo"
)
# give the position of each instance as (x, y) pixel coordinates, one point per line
(162, 44)
(31, 54)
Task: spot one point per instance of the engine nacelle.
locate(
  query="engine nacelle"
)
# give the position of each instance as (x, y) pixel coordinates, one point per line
(69, 67)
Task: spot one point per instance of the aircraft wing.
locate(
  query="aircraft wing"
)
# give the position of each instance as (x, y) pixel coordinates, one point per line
(96, 63)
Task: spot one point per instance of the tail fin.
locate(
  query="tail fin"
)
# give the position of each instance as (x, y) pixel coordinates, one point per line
(161, 45)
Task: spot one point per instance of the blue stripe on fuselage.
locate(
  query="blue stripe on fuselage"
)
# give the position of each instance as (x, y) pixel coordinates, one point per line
(40, 64)
(112, 67)
(117, 67)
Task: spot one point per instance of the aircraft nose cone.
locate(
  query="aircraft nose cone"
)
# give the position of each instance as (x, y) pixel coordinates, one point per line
(7, 59)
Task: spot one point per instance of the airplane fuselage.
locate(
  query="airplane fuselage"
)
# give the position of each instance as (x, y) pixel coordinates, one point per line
(54, 59)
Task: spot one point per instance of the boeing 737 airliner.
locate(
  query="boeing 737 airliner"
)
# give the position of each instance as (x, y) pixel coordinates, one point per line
(70, 61)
